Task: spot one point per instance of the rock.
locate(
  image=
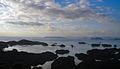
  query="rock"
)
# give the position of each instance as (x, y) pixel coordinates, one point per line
(115, 39)
(62, 52)
(106, 45)
(99, 59)
(95, 45)
(82, 42)
(82, 56)
(115, 46)
(20, 66)
(21, 42)
(62, 45)
(3, 45)
(14, 66)
(25, 59)
(55, 44)
(12, 43)
(37, 68)
(72, 46)
(64, 63)
(27, 42)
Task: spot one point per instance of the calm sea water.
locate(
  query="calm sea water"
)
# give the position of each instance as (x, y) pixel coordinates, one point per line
(78, 48)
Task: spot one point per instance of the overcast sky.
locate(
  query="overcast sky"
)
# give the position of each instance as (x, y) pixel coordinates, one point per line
(60, 18)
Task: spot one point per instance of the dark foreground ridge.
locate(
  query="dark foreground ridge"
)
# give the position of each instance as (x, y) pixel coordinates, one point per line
(64, 63)
(23, 60)
(94, 59)
(21, 42)
(100, 59)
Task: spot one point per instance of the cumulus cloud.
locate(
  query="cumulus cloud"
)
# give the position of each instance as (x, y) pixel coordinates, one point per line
(44, 6)
(47, 12)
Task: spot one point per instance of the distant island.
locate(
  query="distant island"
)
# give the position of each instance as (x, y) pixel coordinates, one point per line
(97, 38)
(53, 37)
(116, 39)
(21, 42)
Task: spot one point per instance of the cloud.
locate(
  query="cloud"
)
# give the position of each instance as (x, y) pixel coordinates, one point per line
(47, 13)
(48, 10)
(26, 23)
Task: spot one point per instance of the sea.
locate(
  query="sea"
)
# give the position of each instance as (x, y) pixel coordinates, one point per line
(67, 41)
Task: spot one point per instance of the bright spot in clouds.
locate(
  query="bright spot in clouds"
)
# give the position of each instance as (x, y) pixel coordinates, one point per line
(57, 18)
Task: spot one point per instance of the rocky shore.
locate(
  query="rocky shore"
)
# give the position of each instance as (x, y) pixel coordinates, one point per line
(107, 58)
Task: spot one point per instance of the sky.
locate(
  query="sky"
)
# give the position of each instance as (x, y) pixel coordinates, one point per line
(60, 18)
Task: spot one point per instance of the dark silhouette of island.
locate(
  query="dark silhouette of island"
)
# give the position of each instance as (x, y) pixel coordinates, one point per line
(103, 45)
(55, 37)
(3, 45)
(26, 42)
(94, 59)
(115, 39)
(82, 43)
(99, 59)
(115, 46)
(21, 42)
(61, 45)
(72, 46)
(54, 44)
(64, 63)
(37, 68)
(106, 45)
(97, 38)
(95, 45)
(62, 52)
(23, 60)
